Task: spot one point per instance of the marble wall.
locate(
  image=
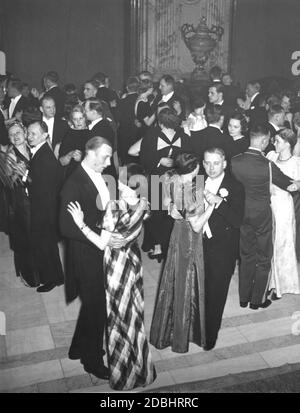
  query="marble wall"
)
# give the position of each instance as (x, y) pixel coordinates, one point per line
(161, 46)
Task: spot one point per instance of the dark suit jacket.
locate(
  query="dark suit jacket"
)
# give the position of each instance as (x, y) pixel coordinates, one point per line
(251, 168)
(3, 131)
(174, 98)
(212, 137)
(227, 110)
(104, 94)
(226, 220)
(257, 113)
(60, 130)
(22, 105)
(46, 175)
(82, 256)
(270, 146)
(59, 98)
(46, 181)
(104, 130)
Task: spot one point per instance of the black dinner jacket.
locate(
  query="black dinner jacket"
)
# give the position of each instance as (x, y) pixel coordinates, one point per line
(59, 98)
(3, 131)
(20, 106)
(103, 129)
(60, 129)
(251, 168)
(83, 257)
(46, 180)
(212, 137)
(230, 213)
(270, 146)
(174, 98)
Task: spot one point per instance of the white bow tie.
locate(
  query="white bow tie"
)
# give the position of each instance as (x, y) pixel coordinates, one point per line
(161, 144)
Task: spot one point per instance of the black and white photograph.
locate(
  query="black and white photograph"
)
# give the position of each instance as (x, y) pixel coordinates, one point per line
(149, 199)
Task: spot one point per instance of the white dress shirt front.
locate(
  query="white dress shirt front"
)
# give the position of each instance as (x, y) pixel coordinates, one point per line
(99, 183)
(93, 123)
(50, 124)
(34, 149)
(211, 185)
(12, 105)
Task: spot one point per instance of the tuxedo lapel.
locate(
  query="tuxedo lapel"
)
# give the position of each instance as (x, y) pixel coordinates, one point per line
(89, 186)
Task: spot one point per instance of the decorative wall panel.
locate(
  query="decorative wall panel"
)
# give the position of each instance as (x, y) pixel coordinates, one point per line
(161, 47)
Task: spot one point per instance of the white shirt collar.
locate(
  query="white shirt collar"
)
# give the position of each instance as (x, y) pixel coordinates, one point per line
(277, 128)
(213, 184)
(36, 148)
(48, 121)
(16, 99)
(255, 149)
(93, 123)
(215, 126)
(13, 104)
(254, 96)
(167, 97)
(50, 124)
(98, 181)
(51, 87)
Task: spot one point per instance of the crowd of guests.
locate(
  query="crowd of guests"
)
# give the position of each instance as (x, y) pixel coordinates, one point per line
(82, 172)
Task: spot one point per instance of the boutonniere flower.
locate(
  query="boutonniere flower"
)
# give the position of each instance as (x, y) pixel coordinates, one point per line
(223, 192)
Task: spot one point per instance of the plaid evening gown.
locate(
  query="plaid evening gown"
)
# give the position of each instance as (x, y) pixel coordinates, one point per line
(129, 356)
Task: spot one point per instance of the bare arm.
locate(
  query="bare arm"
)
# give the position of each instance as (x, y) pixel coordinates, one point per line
(149, 119)
(100, 241)
(198, 221)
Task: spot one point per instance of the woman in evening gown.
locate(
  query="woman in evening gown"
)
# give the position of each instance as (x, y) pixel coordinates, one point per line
(285, 275)
(73, 145)
(129, 356)
(179, 312)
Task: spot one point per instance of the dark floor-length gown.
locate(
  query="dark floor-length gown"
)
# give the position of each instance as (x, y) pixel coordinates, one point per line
(179, 312)
(129, 355)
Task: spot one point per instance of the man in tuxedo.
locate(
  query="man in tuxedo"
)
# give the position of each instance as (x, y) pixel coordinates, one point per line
(84, 267)
(57, 127)
(52, 90)
(275, 123)
(220, 238)
(99, 126)
(16, 103)
(231, 92)
(216, 98)
(252, 106)
(103, 92)
(256, 173)
(168, 97)
(125, 116)
(213, 136)
(46, 180)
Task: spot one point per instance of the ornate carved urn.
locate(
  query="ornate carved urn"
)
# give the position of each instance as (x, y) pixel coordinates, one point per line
(201, 41)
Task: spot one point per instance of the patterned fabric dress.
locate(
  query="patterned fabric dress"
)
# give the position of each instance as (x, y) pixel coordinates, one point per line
(128, 350)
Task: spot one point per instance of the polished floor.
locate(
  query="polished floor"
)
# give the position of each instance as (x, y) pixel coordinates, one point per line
(39, 327)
